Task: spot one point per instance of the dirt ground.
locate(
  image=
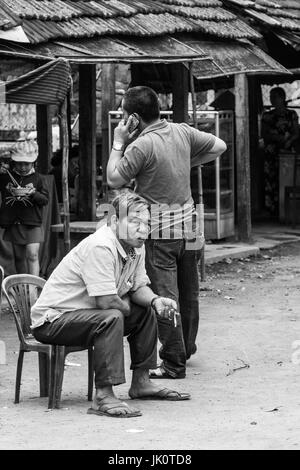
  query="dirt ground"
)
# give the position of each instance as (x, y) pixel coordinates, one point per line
(244, 378)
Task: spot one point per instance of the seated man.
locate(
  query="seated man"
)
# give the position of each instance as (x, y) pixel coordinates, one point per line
(98, 293)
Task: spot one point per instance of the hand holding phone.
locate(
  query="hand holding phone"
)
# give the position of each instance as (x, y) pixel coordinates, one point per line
(133, 122)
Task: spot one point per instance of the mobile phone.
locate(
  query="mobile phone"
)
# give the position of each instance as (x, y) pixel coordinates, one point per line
(133, 122)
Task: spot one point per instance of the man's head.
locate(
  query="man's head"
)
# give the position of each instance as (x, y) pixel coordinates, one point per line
(131, 219)
(143, 101)
(277, 96)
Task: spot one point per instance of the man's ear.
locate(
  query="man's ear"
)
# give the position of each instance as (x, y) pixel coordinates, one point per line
(114, 221)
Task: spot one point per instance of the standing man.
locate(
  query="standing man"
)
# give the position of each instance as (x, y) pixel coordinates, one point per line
(160, 159)
(97, 294)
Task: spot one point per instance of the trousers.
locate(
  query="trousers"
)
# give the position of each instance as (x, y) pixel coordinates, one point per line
(104, 329)
(173, 272)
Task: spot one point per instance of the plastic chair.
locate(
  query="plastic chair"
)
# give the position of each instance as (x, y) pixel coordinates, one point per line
(21, 291)
(292, 194)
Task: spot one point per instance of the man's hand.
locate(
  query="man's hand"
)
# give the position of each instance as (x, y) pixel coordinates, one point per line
(126, 300)
(122, 134)
(164, 307)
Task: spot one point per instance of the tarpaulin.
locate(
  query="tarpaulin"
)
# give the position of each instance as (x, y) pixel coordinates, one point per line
(47, 84)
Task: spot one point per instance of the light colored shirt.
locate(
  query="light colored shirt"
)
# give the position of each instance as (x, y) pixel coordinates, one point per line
(97, 266)
(160, 160)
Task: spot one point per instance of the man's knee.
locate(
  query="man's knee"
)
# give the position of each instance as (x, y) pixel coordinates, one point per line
(110, 317)
(32, 255)
(115, 313)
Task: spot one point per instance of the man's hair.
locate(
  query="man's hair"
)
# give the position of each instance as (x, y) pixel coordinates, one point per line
(143, 101)
(278, 91)
(124, 201)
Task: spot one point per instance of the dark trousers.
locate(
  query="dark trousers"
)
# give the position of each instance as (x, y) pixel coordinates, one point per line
(173, 271)
(105, 330)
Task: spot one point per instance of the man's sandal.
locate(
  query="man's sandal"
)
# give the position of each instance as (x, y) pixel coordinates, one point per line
(164, 394)
(160, 373)
(112, 403)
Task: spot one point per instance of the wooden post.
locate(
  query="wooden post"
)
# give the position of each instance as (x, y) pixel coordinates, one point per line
(108, 93)
(87, 142)
(256, 153)
(63, 122)
(44, 137)
(242, 157)
(180, 80)
(199, 173)
(69, 119)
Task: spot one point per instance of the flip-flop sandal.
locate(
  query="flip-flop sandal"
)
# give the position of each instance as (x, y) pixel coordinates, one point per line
(164, 394)
(110, 404)
(160, 373)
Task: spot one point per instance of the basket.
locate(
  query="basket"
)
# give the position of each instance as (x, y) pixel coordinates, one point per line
(20, 191)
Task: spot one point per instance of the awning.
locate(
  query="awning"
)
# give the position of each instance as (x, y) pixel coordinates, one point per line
(230, 58)
(212, 59)
(164, 49)
(47, 84)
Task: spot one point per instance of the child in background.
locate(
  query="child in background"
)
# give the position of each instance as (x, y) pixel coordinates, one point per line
(23, 198)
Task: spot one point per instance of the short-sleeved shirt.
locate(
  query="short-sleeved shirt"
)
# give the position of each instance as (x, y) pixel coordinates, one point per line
(160, 160)
(97, 266)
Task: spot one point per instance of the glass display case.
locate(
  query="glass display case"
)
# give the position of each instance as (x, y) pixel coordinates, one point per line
(217, 176)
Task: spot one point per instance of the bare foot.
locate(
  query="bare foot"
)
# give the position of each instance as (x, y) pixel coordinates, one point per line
(106, 403)
(142, 386)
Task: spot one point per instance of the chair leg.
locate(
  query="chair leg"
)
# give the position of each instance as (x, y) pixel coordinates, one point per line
(44, 374)
(60, 355)
(90, 373)
(18, 376)
(51, 378)
(57, 364)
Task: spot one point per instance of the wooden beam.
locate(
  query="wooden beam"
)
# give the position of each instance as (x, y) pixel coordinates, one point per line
(87, 142)
(180, 81)
(63, 123)
(242, 157)
(108, 93)
(44, 137)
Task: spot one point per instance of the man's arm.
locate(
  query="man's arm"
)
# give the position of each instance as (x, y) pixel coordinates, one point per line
(206, 156)
(106, 302)
(143, 296)
(218, 148)
(114, 179)
(121, 138)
